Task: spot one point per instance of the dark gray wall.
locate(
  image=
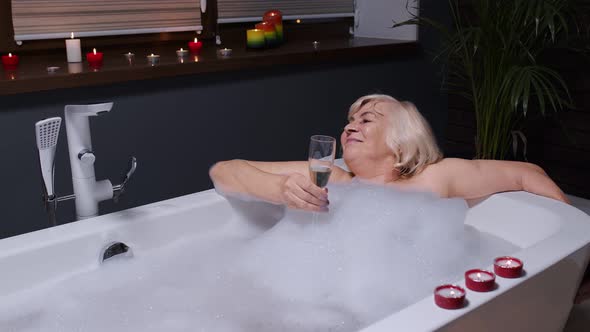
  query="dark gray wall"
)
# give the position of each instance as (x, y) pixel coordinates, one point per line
(178, 127)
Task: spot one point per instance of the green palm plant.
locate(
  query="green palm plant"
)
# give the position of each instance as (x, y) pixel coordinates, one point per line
(493, 61)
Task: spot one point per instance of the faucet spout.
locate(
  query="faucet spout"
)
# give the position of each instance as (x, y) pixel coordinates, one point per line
(87, 190)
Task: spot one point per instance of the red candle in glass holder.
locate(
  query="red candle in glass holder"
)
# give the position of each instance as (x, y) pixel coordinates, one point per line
(480, 280)
(10, 61)
(195, 46)
(94, 59)
(508, 267)
(449, 296)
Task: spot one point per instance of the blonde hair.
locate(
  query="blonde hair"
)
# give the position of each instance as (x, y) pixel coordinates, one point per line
(409, 137)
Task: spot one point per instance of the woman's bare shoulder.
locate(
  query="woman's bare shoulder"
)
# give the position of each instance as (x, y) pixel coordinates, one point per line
(339, 175)
(436, 177)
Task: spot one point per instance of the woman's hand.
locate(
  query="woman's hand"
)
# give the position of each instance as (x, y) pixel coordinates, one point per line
(298, 192)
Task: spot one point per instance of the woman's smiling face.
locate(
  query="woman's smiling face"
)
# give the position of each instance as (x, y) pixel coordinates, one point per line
(365, 135)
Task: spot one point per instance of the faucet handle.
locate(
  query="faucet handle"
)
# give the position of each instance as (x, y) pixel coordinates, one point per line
(119, 189)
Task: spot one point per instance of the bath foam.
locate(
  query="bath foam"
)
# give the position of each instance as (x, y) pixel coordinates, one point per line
(376, 251)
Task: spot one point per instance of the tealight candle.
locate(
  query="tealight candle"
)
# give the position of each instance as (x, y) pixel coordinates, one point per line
(316, 45)
(130, 57)
(480, 280)
(195, 46)
(270, 34)
(224, 52)
(153, 59)
(10, 61)
(449, 296)
(255, 38)
(275, 17)
(54, 69)
(181, 52)
(508, 267)
(73, 50)
(94, 59)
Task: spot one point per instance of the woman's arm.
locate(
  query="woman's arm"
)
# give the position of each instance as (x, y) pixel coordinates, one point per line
(476, 178)
(277, 182)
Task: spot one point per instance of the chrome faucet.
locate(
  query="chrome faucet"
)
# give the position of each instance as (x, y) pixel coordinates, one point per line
(87, 191)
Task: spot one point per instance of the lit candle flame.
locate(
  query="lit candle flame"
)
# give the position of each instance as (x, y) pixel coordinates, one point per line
(509, 263)
(72, 35)
(152, 54)
(452, 293)
(478, 276)
(298, 21)
(196, 40)
(10, 55)
(196, 58)
(94, 51)
(181, 49)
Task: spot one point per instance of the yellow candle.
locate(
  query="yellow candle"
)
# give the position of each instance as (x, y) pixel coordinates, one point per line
(255, 38)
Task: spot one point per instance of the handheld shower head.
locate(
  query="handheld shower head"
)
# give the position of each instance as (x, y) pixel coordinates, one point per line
(47, 132)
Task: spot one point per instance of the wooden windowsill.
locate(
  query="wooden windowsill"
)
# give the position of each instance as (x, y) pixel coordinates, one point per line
(32, 74)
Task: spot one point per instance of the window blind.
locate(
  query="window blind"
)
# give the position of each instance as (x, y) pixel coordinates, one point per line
(230, 11)
(47, 19)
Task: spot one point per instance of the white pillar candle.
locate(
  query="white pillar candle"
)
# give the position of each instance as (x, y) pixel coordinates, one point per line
(74, 68)
(73, 49)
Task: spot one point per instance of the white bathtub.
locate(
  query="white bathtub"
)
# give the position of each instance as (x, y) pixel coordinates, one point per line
(555, 238)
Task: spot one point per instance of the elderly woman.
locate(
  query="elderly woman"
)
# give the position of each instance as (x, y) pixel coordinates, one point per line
(386, 142)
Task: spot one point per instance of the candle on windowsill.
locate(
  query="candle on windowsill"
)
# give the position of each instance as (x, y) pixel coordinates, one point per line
(270, 34)
(75, 68)
(449, 296)
(195, 46)
(10, 61)
(73, 50)
(130, 57)
(94, 59)
(275, 17)
(224, 52)
(255, 38)
(153, 59)
(55, 69)
(508, 267)
(181, 53)
(480, 280)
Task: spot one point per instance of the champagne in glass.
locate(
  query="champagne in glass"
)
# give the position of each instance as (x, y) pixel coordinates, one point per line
(320, 175)
(322, 150)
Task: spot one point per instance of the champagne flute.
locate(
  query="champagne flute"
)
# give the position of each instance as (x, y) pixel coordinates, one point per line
(322, 150)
